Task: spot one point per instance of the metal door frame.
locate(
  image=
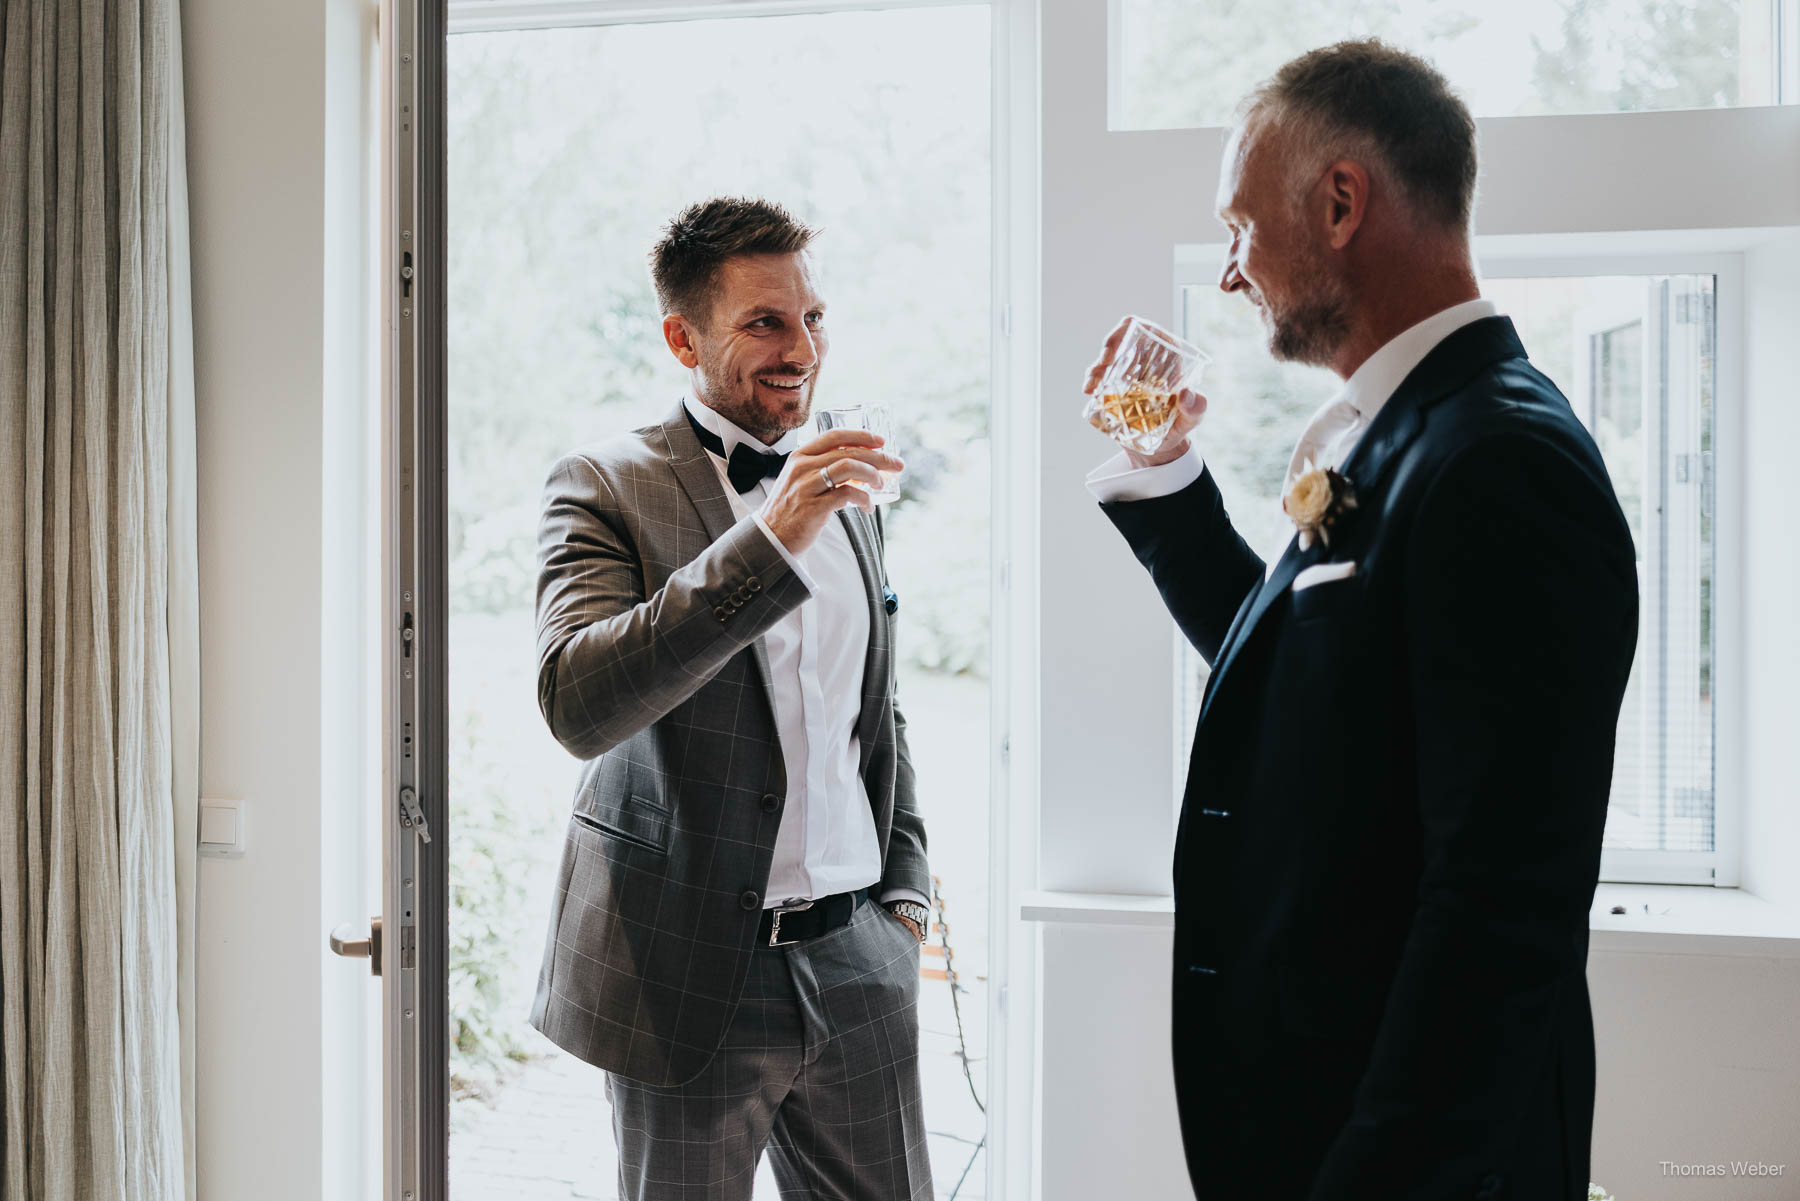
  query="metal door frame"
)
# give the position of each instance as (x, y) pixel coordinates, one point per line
(416, 589)
(415, 893)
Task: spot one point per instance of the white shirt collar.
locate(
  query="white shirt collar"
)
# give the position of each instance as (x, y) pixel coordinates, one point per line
(1381, 374)
(730, 433)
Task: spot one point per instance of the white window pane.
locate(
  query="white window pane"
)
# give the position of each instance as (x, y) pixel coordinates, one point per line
(1187, 62)
(1634, 355)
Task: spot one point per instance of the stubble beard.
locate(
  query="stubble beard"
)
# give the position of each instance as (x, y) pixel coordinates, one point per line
(1309, 333)
(1314, 327)
(737, 403)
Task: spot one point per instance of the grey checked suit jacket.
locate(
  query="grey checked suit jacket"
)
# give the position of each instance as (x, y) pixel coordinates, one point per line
(652, 602)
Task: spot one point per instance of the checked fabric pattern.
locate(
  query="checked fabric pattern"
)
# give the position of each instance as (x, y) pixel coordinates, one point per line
(651, 603)
(820, 1065)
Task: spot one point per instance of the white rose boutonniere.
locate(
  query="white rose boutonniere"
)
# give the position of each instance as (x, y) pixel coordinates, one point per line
(1316, 500)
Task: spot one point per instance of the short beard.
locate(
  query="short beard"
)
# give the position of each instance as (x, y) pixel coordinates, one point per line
(1313, 329)
(744, 413)
(1311, 333)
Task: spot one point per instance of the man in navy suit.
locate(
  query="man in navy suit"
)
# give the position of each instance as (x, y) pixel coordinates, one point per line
(1391, 832)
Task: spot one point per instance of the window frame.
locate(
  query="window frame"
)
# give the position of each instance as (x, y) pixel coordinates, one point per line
(1014, 181)
(1584, 256)
(1723, 865)
(1784, 70)
(1552, 186)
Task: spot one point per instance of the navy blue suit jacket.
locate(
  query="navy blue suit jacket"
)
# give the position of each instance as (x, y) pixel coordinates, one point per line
(1391, 831)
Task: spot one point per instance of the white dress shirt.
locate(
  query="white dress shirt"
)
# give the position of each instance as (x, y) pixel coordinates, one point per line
(1334, 430)
(826, 842)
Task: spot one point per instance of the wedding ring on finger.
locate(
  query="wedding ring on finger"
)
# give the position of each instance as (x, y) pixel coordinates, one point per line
(825, 474)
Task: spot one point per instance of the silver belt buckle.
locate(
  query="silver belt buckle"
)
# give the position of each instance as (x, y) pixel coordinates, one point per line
(794, 905)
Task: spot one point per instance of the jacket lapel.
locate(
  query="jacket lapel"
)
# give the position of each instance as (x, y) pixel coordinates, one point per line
(1262, 598)
(878, 666)
(1451, 364)
(687, 458)
(700, 480)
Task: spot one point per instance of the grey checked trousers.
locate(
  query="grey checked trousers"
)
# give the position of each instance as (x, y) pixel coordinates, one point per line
(820, 1065)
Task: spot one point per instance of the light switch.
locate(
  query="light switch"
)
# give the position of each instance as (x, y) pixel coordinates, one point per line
(221, 827)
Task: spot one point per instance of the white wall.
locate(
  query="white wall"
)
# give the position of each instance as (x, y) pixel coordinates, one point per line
(1770, 553)
(1699, 1062)
(1108, 1126)
(1697, 1052)
(276, 169)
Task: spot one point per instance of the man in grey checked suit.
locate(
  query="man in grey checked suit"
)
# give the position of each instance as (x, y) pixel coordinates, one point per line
(735, 931)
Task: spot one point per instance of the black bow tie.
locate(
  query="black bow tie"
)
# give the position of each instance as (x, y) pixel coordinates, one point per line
(746, 467)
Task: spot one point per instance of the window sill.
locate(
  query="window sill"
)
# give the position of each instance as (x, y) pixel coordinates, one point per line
(1097, 909)
(1659, 919)
(1685, 920)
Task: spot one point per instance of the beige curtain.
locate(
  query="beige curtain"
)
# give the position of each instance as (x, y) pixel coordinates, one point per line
(97, 587)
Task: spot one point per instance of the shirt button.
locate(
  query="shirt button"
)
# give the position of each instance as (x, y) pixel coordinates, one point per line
(749, 900)
(771, 803)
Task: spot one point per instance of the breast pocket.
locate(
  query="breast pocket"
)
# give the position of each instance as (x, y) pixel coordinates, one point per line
(1332, 598)
(637, 820)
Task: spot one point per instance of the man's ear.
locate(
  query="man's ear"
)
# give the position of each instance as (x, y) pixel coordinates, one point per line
(1346, 187)
(678, 334)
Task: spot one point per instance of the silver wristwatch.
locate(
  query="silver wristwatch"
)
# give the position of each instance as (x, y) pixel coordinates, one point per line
(914, 912)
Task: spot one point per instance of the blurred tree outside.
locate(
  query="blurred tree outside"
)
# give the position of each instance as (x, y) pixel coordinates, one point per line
(570, 147)
(555, 336)
(1188, 62)
(568, 150)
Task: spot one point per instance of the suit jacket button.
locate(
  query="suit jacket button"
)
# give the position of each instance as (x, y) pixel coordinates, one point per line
(721, 612)
(1490, 1188)
(771, 803)
(754, 584)
(750, 900)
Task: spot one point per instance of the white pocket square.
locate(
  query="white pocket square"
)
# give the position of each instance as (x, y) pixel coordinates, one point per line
(1324, 573)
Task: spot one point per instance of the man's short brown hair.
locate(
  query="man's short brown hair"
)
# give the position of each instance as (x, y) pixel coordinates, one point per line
(1367, 95)
(685, 262)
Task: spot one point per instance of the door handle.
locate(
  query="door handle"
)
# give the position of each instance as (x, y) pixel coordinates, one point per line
(344, 942)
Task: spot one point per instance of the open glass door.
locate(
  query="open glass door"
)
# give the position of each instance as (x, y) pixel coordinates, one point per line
(410, 943)
(533, 166)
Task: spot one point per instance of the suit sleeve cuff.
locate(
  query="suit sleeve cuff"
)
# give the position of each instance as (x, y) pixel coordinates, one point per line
(793, 561)
(905, 894)
(1117, 480)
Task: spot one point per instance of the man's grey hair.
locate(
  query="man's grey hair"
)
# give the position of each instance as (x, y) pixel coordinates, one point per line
(1375, 103)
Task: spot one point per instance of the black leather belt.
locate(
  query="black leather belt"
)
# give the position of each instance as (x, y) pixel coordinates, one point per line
(785, 925)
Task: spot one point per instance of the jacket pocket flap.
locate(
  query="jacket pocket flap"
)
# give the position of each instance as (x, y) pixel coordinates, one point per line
(635, 819)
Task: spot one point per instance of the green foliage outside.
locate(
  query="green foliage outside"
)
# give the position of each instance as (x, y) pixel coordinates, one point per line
(493, 944)
(568, 149)
(1189, 61)
(564, 161)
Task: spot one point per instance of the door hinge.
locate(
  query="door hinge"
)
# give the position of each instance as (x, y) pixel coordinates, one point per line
(412, 817)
